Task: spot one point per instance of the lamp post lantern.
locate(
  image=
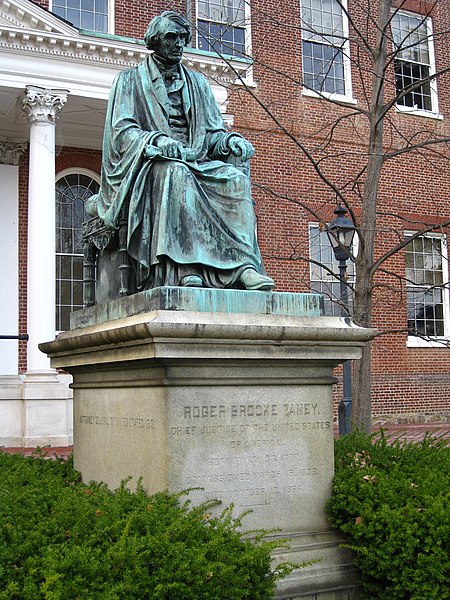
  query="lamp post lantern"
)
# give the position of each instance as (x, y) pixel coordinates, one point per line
(340, 233)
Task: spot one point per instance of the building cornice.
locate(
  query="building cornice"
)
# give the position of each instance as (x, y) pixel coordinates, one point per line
(27, 32)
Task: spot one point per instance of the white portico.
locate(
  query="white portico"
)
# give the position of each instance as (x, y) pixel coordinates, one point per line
(54, 86)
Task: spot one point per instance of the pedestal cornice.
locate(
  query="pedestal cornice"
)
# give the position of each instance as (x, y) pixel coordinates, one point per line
(166, 335)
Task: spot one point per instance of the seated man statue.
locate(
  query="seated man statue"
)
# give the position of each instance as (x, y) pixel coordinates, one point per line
(189, 213)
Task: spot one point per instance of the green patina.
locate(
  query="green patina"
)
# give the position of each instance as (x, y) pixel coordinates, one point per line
(202, 300)
(175, 176)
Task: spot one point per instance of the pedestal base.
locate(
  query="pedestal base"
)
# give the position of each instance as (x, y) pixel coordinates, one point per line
(239, 405)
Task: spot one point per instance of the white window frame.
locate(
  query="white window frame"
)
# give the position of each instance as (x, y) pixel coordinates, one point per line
(246, 27)
(61, 175)
(348, 96)
(334, 265)
(436, 341)
(111, 17)
(420, 112)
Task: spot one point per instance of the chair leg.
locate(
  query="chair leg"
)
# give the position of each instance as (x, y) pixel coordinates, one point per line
(89, 260)
(124, 262)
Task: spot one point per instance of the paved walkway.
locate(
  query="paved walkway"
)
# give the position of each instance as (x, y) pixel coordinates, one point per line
(410, 433)
(416, 433)
(55, 452)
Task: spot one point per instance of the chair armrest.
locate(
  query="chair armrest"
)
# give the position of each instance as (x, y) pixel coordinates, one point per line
(236, 161)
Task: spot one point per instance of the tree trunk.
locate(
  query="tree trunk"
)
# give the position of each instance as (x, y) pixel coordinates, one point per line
(361, 409)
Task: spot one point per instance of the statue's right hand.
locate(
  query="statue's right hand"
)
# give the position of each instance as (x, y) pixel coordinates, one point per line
(170, 148)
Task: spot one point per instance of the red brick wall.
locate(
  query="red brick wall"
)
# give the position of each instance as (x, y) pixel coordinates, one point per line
(132, 18)
(71, 158)
(23, 235)
(42, 3)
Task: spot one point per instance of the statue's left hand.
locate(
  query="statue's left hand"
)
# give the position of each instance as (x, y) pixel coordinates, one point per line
(241, 147)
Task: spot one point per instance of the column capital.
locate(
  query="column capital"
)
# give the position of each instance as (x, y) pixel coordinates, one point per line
(10, 152)
(43, 105)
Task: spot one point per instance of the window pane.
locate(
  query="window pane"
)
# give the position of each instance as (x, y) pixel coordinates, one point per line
(66, 267)
(86, 14)
(323, 42)
(78, 208)
(324, 275)
(87, 20)
(73, 16)
(425, 287)
(64, 318)
(323, 68)
(65, 289)
(78, 268)
(323, 21)
(77, 297)
(410, 36)
(63, 215)
(101, 23)
(65, 239)
(412, 64)
(225, 39)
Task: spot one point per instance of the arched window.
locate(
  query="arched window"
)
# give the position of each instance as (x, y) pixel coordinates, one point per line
(72, 191)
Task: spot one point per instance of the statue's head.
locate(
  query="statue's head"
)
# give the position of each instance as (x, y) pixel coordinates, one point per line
(167, 34)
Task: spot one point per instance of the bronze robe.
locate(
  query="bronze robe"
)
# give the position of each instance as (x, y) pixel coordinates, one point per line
(193, 217)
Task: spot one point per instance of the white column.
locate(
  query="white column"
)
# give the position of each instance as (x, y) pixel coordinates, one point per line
(45, 399)
(42, 107)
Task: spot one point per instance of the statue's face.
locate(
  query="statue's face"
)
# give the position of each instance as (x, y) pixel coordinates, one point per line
(171, 43)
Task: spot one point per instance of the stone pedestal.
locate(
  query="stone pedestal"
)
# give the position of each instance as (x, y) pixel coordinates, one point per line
(237, 404)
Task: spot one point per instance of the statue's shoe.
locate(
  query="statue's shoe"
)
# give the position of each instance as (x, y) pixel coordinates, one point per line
(252, 280)
(191, 281)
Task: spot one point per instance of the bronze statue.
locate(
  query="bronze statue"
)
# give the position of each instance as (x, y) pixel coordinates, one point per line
(167, 173)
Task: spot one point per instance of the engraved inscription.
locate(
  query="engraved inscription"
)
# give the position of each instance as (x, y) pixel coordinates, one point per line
(257, 453)
(196, 412)
(120, 422)
(250, 410)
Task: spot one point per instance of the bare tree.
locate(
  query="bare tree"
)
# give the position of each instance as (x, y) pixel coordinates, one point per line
(378, 48)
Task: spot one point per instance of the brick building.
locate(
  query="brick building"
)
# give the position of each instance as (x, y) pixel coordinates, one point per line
(305, 87)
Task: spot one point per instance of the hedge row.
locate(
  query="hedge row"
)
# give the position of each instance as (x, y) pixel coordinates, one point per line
(61, 539)
(391, 501)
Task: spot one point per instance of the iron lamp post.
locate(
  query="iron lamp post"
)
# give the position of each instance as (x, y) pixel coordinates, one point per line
(340, 233)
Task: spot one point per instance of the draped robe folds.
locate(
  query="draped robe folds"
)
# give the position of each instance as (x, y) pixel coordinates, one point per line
(184, 217)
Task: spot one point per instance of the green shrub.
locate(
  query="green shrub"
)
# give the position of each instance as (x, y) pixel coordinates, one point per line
(391, 503)
(60, 539)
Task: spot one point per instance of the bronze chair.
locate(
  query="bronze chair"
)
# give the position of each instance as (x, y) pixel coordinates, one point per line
(109, 246)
